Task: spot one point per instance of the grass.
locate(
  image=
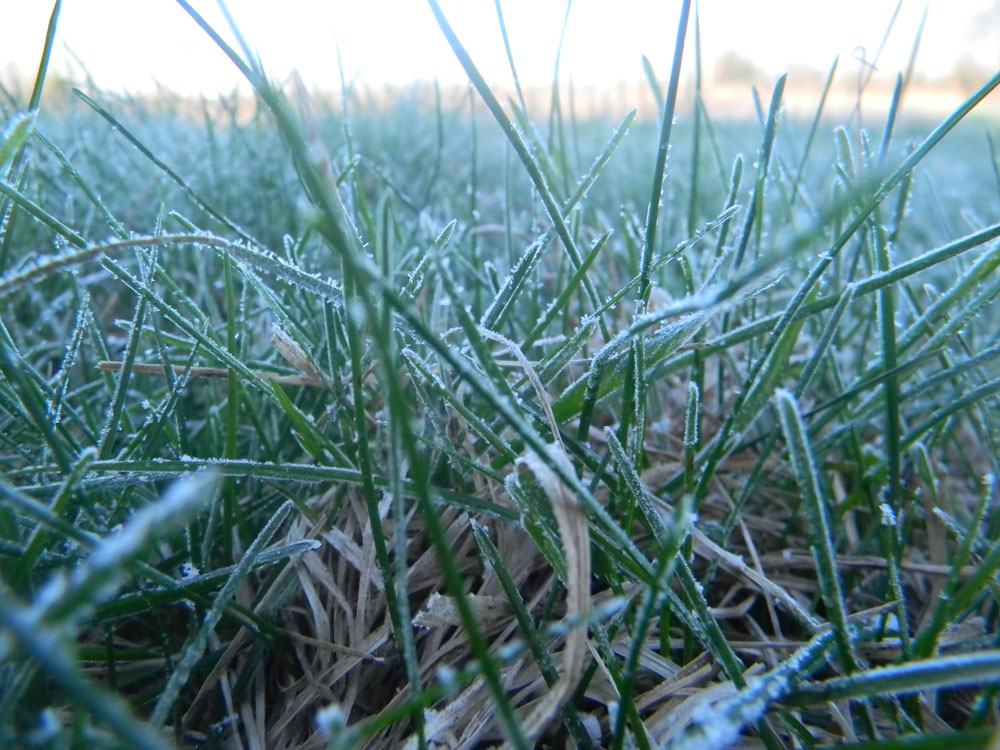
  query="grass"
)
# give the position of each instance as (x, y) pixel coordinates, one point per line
(436, 426)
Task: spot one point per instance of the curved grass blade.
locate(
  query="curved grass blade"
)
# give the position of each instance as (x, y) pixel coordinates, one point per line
(654, 83)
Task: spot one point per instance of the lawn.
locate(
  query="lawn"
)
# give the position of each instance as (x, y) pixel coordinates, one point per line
(436, 424)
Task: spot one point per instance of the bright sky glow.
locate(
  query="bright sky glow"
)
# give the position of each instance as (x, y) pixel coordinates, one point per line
(131, 44)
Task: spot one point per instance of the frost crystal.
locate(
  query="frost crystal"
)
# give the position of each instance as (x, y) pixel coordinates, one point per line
(888, 514)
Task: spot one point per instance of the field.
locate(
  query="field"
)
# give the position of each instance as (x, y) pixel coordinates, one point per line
(435, 424)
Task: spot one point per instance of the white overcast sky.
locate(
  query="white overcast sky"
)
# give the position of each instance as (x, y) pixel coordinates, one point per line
(129, 44)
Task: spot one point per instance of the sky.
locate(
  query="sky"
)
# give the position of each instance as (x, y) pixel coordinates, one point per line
(135, 44)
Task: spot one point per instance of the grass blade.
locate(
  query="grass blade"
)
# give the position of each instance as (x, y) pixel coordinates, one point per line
(811, 488)
(196, 645)
(973, 670)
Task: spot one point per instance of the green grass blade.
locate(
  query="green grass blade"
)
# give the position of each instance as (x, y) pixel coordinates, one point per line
(84, 184)
(59, 505)
(498, 310)
(13, 140)
(976, 395)
(764, 162)
(866, 286)
(510, 57)
(660, 163)
(196, 645)
(813, 127)
(120, 127)
(654, 83)
(560, 303)
(39, 213)
(448, 393)
(520, 147)
(890, 120)
(116, 409)
(694, 181)
(883, 190)
(955, 597)
(825, 338)
(43, 63)
(968, 739)
(30, 396)
(530, 633)
(973, 670)
(893, 493)
(810, 486)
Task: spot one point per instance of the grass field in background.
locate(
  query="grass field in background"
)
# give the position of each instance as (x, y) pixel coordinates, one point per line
(443, 425)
